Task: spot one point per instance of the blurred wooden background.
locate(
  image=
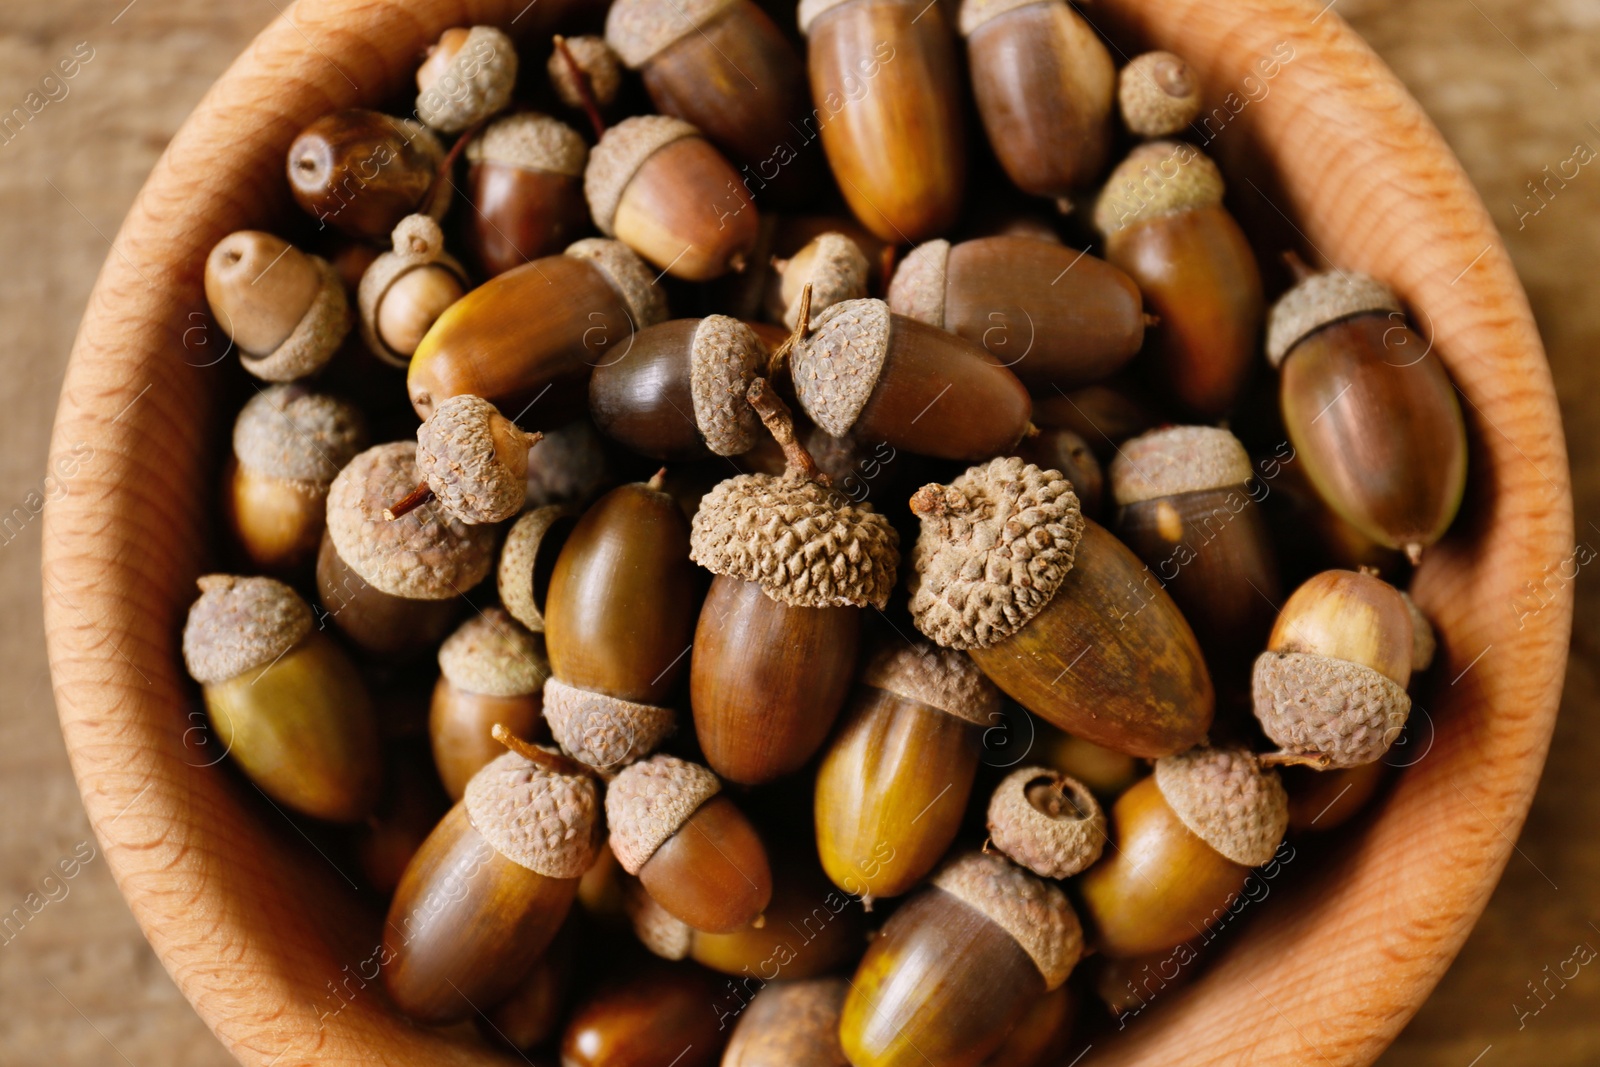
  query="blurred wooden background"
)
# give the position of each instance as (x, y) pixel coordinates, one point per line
(1515, 86)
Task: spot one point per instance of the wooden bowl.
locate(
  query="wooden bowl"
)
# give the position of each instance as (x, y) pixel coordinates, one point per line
(259, 931)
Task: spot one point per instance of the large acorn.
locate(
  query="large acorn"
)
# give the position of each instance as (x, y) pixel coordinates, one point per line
(1056, 611)
(361, 172)
(491, 671)
(404, 291)
(525, 182)
(286, 310)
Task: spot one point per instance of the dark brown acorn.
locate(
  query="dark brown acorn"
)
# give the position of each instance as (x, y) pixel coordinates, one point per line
(1062, 450)
(659, 1016)
(405, 290)
(1104, 415)
(1157, 94)
(286, 310)
(361, 172)
(525, 182)
(790, 1024)
(491, 670)
(467, 77)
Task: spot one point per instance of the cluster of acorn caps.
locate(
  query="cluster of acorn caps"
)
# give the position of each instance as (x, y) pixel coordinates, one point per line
(1025, 741)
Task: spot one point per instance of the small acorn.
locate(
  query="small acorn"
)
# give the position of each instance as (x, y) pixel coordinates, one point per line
(1056, 317)
(660, 188)
(491, 670)
(361, 172)
(1164, 224)
(1105, 771)
(660, 1015)
(286, 310)
(473, 461)
(405, 290)
(693, 851)
(525, 182)
(468, 76)
(527, 560)
(1046, 821)
(1158, 95)
(285, 701)
(1183, 842)
(790, 1024)
(833, 266)
(1325, 800)
(597, 63)
(1056, 611)
(1062, 450)
(1040, 1037)
(1369, 409)
(1331, 688)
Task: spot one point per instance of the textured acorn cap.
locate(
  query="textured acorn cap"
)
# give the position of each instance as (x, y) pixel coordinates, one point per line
(835, 367)
(544, 821)
(658, 930)
(1031, 910)
(650, 801)
(619, 155)
(725, 356)
(1178, 459)
(1321, 300)
(484, 72)
(492, 654)
(791, 1024)
(938, 677)
(417, 241)
(917, 289)
(803, 543)
(1423, 642)
(317, 336)
(518, 556)
(241, 623)
(528, 140)
(837, 272)
(1226, 799)
(425, 554)
(638, 29)
(1327, 709)
(597, 60)
(602, 731)
(1157, 179)
(287, 431)
(456, 455)
(975, 13)
(994, 546)
(1055, 842)
(627, 275)
(1145, 94)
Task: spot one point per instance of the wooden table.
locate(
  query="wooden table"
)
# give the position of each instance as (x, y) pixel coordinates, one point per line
(1515, 86)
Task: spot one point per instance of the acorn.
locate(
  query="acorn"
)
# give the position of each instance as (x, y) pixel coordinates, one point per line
(795, 562)
(598, 65)
(410, 805)
(656, 1016)
(1369, 409)
(1163, 221)
(1105, 771)
(1325, 800)
(1103, 415)
(491, 670)
(527, 560)
(864, 372)
(790, 1024)
(288, 444)
(833, 266)
(1184, 841)
(1046, 821)
(693, 851)
(404, 291)
(1331, 688)
(571, 466)
(361, 172)
(1044, 82)
(543, 325)
(491, 886)
(1041, 1036)
(473, 461)
(536, 1011)
(468, 76)
(893, 785)
(958, 966)
(286, 310)
(1157, 94)
(1056, 317)
(678, 391)
(525, 182)
(655, 184)
(1064, 451)
(1056, 611)
(285, 701)
(885, 81)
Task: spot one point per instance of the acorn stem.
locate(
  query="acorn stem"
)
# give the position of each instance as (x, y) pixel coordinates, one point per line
(553, 762)
(1317, 761)
(580, 79)
(1297, 266)
(657, 480)
(802, 323)
(1413, 552)
(780, 422)
(447, 164)
(411, 502)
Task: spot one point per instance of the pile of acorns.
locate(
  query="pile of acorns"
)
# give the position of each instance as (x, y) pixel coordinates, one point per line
(717, 705)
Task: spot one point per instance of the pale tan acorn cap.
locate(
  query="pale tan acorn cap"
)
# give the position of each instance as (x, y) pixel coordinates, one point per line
(1148, 109)
(1033, 911)
(492, 654)
(457, 457)
(791, 1024)
(528, 140)
(836, 366)
(658, 930)
(974, 13)
(1423, 642)
(918, 286)
(518, 555)
(838, 272)
(803, 543)
(544, 821)
(1321, 300)
(638, 29)
(1178, 459)
(1052, 846)
(650, 801)
(938, 677)
(994, 546)
(484, 72)
(241, 623)
(725, 356)
(619, 155)
(287, 431)
(596, 59)
(417, 241)
(1226, 799)
(605, 732)
(1139, 190)
(425, 554)
(627, 275)
(1325, 708)
(315, 339)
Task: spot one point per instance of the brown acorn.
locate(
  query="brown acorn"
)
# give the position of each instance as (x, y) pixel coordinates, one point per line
(657, 1016)
(1162, 217)
(1103, 415)
(585, 64)
(1158, 95)
(361, 172)
(1369, 409)
(405, 290)
(411, 804)
(1126, 985)
(572, 466)
(285, 701)
(1057, 612)
(1183, 842)
(1056, 317)
(473, 461)
(1325, 800)
(833, 266)
(491, 670)
(790, 1024)
(286, 310)
(468, 76)
(525, 182)
(527, 560)
(1105, 771)
(536, 1010)
(1062, 450)
(1046, 821)
(1041, 1036)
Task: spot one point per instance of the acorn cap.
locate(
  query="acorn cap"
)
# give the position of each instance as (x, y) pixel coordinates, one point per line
(975, 13)
(1157, 179)
(417, 242)
(1034, 912)
(457, 456)
(938, 677)
(425, 554)
(602, 731)
(317, 336)
(597, 60)
(518, 556)
(1321, 300)
(1046, 821)
(791, 1024)
(621, 152)
(835, 367)
(241, 623)
(994, 546)
(917, 289)
(802, 542)
(1226, 799)
(650, 801)
(484, 72)
(657, 929)
(808, 11)
(1423, 642)
(544, 821)
(528, 140)
(837, 272)
(287, 431)
(1158, 94)
(493, 655)
(725, 356)
(638, 29)
(1327, 709)
(626, 273)
(1178, 459)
